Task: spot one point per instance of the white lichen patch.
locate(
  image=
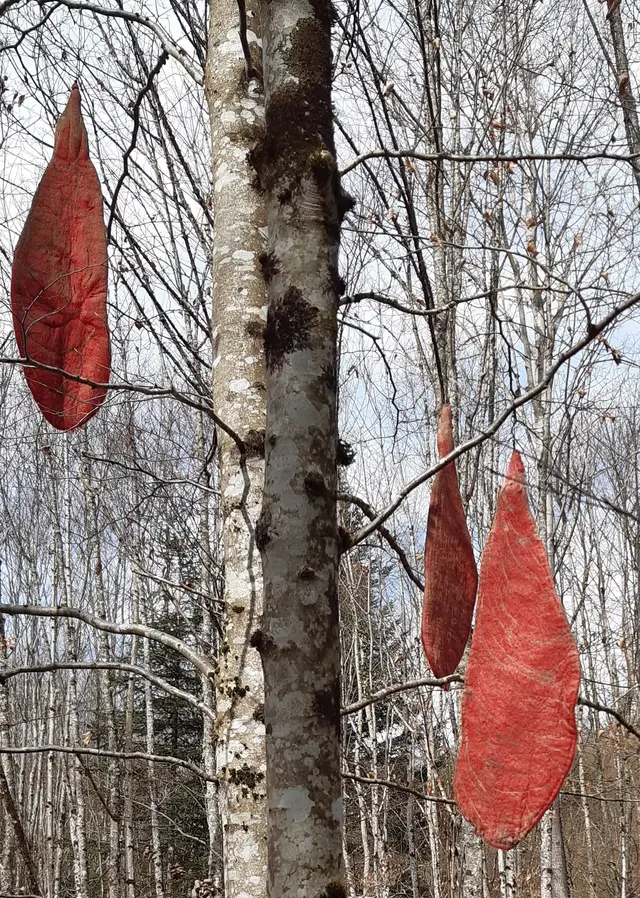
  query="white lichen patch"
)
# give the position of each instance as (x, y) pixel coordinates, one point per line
(241, 385)
(227, 181)
(235, 487)
(297, 801)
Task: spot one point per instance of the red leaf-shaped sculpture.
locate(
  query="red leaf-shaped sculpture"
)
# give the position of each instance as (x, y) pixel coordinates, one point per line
(451, 576)
(59, 281)
(518, 708)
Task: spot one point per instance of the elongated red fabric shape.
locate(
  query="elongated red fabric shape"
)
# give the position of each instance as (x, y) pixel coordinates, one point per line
(450, 572)
(518, 708)
(59, 281)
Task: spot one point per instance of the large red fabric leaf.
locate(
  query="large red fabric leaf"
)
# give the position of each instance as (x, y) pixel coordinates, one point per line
(59, 281)
(450, 572)
(518, 707)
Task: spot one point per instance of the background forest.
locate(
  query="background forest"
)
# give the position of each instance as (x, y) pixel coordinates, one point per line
(493, 149)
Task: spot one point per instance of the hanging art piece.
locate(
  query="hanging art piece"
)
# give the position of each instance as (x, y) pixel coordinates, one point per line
(59, 282)
(521, 685)
(450, 572)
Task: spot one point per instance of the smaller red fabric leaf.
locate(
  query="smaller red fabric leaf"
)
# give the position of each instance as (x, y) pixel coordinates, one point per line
(451, 575)
(59, 281)
(518, 708)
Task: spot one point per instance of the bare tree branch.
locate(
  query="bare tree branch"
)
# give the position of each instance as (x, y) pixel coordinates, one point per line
(134, 134)
(388, 536)
(525, 398)
(585, 702)
(159, 393)
(168, 45)
(390, 785)
(105, 753)
(489, 158)
(167, 687)
(383, 694)
(131, 629)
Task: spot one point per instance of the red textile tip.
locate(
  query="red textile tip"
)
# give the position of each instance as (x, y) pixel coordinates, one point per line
(518, 708)
(515, 471)
(451, 576)
(59, 281)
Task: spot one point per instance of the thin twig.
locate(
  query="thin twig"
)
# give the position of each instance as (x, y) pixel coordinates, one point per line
(390, 785)
(488, 158)
(383, 694)
(106, 753)
(98, 623)
(167, 44)
(164, 56)
(119, 666)
(611, 711)
(155, 392)
(387, 535)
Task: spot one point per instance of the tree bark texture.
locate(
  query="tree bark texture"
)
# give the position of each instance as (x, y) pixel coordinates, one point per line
(239, 313)
(298, 534)
(625, 89)
(471, 862)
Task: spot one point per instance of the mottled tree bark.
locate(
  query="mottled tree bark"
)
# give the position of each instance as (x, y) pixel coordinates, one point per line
(21, 839)
(625, 89)
(236, 110)
(591, 879)
(6, 796)
(506, 865)
(156, 847)
(470, 862)
(63, 584)
(298, 532)
(105, 684)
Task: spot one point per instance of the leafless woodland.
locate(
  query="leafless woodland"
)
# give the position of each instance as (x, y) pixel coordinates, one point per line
(491, 258)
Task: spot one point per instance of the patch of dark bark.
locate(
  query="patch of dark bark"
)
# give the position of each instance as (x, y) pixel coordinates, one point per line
(290, 322)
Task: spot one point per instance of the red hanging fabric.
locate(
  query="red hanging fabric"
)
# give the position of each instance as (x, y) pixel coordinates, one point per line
(59, 281)
(518, 708)
(450, 573)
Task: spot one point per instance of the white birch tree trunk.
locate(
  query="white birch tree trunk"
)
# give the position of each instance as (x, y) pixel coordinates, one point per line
(104, 683)
(236, 110)
(74, 773)
(507, 873)
(546, 858)
(127, 803)
(470, 861)
(14, 832)
(625, 89)
(410, 823)
(587, 826)
(156, 847)
(50, 809)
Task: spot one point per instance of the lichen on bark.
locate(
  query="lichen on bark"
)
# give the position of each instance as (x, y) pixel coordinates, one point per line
(238, 316)
(299, 638)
